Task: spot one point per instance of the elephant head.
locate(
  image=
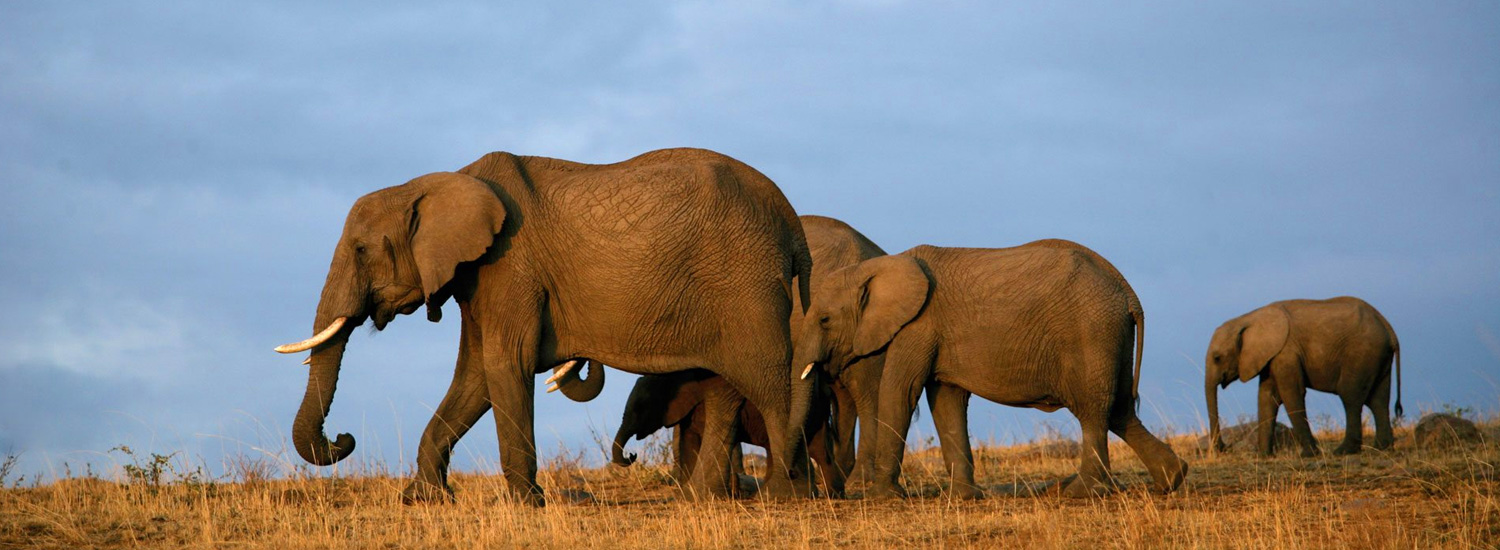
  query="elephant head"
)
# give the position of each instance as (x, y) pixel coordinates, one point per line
(857, 310)
(656, 402)
(399, 250)
(1241, 348)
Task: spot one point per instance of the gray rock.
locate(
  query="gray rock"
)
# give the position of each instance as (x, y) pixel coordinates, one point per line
(1438, 430)
(1240, 438)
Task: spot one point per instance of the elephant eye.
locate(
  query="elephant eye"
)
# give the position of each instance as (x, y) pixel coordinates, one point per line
(824, 320)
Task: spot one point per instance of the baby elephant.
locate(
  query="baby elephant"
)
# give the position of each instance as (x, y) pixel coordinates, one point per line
(1046, 325)
(1339, 345)
(676, 401)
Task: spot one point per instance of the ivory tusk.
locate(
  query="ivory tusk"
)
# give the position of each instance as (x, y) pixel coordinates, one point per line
(807, 370)
(307, 361)
(313, 342)
(560, 371)
(553, 388)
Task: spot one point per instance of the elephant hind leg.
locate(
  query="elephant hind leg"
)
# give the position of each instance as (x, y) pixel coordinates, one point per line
(1093, 458)
(1354, 428)
(710, 477)
(1380, 408)
(1166, 468)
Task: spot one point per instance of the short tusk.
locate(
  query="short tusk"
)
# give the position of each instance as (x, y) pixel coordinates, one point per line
(553, 388)
(307, 361)
(310, 343)
(807, 370)
(560, 371)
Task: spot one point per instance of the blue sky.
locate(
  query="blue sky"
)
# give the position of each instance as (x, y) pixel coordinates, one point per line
(173, 179)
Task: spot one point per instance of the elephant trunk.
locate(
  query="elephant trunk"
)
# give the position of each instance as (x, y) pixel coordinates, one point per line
(583, 389)
(343, 296)
(1211, 394)
(797, 413)
(322, 380)
(621, 438)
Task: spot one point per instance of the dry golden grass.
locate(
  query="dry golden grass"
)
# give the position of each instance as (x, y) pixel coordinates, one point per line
(1406, 498)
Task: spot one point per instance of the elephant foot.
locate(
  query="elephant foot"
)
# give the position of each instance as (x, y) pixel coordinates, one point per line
(885, 490)
(1169, 477)
(1384, 443)
(528, 496)
(425, 492)
(1310, 452)
(1347, 449)
(965, 491)
(1083, 487)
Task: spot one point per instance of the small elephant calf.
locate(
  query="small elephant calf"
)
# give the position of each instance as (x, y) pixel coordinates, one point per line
(676, 401)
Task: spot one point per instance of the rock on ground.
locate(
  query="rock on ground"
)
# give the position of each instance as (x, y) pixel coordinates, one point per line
(1439, 430)
(1240, 438)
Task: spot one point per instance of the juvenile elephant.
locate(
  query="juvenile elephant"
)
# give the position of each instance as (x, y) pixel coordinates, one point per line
(672, 260)
(676, 401)
(1339, 345)
(833, 244)
(1046, 325)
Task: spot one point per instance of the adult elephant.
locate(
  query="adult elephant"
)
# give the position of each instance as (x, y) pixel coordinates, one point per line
(675, 259)
(1339, 345)
(668, 401)
(1046, 325)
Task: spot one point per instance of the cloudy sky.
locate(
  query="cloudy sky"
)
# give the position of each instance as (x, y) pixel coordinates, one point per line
(173, 180)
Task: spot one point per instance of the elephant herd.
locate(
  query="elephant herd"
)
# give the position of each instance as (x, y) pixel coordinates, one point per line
(749, 323)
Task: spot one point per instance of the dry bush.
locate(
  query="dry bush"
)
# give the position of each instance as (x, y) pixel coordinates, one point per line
(1401, 499)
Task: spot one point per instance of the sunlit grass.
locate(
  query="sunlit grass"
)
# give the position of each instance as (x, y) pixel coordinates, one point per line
(1405, 498)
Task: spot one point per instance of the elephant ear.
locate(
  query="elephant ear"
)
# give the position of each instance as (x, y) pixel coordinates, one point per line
(1264, 334)
(455, 219)
(892, 291)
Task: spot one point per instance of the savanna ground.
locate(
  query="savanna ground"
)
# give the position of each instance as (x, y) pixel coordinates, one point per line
(1406, 498)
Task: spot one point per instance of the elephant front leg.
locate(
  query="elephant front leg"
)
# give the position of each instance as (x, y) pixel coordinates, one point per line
(846, 414)
(1294, 395)
(1267, 404)
(512, 399)
(950, 414)
(465, 402)
(898, 399)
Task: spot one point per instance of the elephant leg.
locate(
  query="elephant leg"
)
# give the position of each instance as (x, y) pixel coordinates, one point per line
(464, 404)
(898, 399)
(687, 437)
(845, 416)
(1267, 404)
(1380, 408)
(1354, 427)
(1093, 456)
(950, 414)
(869, 436)
(511, 377)
(1294, 395)
(721, 415)
(821, 450)
(783, 456)
(1166, 468)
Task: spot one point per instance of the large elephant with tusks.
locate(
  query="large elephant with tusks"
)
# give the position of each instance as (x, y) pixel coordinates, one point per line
(672, 260)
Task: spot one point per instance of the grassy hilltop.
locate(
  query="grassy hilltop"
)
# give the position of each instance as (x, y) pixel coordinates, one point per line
(1401, 499)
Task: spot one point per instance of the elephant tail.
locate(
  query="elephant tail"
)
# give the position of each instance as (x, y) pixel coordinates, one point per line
(1139, 315)
(802, 267)
(1396, 351)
